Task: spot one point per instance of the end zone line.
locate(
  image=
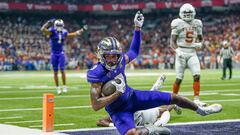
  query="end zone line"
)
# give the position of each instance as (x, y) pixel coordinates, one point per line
(171, 124)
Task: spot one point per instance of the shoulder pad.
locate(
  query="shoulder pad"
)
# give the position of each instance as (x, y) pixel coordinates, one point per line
(95, 73)
(175, 23)
(198, 22)
(51, 29)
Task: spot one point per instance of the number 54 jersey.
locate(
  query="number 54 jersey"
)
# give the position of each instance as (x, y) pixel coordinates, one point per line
(187, 32)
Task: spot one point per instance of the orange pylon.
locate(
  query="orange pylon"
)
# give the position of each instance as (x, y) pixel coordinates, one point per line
(48, 112)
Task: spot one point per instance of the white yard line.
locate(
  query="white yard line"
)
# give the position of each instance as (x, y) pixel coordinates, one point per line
(75, 88)
(204, 122)
(85, 86)
(25, 121)
(40, 97)
(223, 100)
(5, 87)
(81, 75)
(230, 94)
(55, 125)
(77, 96)
(88, 106)
(189, 93)
(14, 117)
(38, 109)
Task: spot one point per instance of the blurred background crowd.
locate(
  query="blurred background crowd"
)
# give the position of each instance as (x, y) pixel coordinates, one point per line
(82, 2)
(24, 47)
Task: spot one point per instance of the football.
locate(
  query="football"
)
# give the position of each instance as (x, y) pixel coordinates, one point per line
(108, 88)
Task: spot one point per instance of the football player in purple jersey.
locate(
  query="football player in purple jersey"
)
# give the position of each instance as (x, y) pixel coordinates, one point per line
(54, 28)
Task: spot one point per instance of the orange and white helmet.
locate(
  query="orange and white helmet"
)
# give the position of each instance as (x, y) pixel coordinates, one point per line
(187, 12)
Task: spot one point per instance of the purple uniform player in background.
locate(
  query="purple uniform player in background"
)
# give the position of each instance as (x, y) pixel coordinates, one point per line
(57, 34)
(122, 104)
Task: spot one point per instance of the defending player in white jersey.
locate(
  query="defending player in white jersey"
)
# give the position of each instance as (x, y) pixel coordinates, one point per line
(186, 38)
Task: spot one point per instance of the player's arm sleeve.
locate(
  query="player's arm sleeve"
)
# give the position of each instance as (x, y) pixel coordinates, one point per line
(92, 77)
(174, 34)
(76, 33)
(135, 46)
(71, 34)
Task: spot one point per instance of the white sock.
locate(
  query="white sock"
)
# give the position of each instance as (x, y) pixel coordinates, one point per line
(196, 97)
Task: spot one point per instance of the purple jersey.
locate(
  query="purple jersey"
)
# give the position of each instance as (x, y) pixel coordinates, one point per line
(57, 40)
(100, 74)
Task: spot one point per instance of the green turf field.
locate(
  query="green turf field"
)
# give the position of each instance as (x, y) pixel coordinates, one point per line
(21, 97)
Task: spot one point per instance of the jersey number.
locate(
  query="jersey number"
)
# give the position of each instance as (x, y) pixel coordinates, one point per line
(189, 37)
(59, 38)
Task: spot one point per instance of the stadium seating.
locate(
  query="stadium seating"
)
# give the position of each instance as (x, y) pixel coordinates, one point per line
(24, 47)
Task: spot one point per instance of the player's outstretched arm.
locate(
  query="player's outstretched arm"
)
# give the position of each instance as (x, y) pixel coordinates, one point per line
(98, 102)
(136, 41)
(78, 32)
(45, 27)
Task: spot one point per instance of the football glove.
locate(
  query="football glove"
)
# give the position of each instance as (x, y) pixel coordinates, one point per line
(138, 19)
(120, 87)
(78, 33)
(51, 20)
(85, 27)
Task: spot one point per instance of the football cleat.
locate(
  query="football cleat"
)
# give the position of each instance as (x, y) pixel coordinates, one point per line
(177, 109)
(159, 83)
(65, 89)
(59, 91)
(154, 130)
(214, 108)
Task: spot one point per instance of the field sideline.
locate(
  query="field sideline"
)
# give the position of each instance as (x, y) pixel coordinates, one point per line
(21, 97)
